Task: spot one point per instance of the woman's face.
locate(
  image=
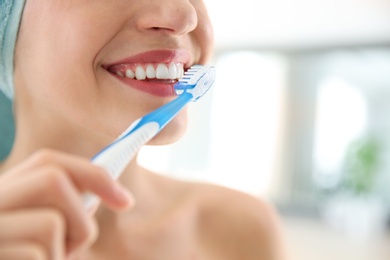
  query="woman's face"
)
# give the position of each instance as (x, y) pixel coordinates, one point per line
(76, 59)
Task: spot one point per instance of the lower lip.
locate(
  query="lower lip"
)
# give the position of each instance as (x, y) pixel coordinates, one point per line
(159, 89)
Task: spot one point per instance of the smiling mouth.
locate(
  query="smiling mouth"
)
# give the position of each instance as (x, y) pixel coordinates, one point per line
(157, 79)
(152, 72)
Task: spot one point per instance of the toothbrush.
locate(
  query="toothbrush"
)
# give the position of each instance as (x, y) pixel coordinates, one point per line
(114, 158)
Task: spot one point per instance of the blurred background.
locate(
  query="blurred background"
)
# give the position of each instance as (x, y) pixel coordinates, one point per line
(299, 115)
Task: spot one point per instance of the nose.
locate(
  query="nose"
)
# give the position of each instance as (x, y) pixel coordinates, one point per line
(175, 17)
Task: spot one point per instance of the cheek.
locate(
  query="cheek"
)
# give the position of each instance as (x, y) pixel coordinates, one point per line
(55, 55)
(55, 75)
(46, 49)
(64, 37)
(204, 33)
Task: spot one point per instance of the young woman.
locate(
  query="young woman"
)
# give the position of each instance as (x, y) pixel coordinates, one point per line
(79, 72)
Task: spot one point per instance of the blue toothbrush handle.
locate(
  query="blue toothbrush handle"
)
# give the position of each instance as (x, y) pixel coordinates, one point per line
(115, 157)
(162, 115)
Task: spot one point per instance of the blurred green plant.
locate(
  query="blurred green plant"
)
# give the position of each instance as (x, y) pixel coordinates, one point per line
(361, 165)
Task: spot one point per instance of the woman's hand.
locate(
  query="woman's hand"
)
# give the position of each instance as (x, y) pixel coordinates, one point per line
(41, 210)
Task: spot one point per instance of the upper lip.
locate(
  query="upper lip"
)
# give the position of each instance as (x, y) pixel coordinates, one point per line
(156, 56)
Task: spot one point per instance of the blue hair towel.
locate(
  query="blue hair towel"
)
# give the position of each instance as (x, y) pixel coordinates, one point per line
(10, 16)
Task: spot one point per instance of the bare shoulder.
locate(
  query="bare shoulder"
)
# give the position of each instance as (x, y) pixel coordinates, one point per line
(236, 225)
(227, 224)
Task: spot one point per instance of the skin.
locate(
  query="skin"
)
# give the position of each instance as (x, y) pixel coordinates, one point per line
(67, 107)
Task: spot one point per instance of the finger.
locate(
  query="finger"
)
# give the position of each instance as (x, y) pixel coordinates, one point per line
(22, 251)
(52, 189)
(85, 175)
(40, 231)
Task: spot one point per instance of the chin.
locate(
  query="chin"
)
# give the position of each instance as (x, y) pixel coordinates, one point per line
(171, 133)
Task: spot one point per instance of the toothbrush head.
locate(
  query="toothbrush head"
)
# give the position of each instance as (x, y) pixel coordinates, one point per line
(196, 81)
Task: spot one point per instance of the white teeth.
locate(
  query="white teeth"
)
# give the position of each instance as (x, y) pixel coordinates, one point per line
(130, 74)
(180, 72)
(173, 71)
(140, 73)
(162, 71)
(150, 71)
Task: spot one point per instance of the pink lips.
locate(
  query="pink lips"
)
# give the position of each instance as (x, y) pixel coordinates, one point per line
(160, 88)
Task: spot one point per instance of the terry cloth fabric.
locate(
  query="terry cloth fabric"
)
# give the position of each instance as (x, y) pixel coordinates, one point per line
(7, 129)
(11, 12)
(10, 16)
